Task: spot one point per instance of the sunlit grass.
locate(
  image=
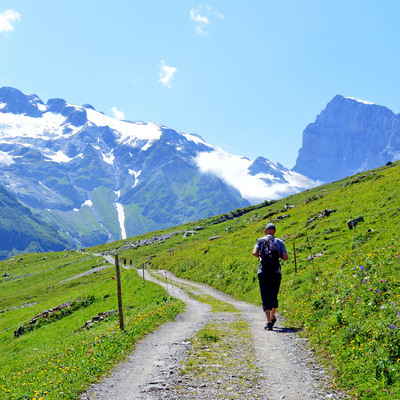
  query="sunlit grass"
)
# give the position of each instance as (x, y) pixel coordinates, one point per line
(58, 359)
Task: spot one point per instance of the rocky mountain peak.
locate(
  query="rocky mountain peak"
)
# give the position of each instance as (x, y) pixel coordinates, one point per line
(14, 101)
(348, 136)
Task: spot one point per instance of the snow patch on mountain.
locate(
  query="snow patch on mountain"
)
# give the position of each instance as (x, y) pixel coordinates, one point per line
(359, 100)
(147, 145)
(109, 157)
(195, 138)
(5, 158)
(88, 203)
(136, 174)
(121, 214)
(19, 125)
(129, 131)
(59, 157)
(121, 219)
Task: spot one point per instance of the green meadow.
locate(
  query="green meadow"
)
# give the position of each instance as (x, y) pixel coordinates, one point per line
(340, 289)
(57, 359)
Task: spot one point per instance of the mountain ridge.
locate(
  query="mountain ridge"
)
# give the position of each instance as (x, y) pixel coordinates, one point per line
(97, 178)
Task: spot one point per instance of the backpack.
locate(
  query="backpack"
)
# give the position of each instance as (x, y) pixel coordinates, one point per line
(269, 255)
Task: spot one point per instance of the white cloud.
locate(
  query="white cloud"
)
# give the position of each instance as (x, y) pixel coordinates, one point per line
(201, 16)
(7, 19)
(166, 74)
(233, 170)
(118, 114)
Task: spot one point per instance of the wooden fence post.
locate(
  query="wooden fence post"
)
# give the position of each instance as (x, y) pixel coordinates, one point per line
(119, 293)
(295, 261)
(310, 247)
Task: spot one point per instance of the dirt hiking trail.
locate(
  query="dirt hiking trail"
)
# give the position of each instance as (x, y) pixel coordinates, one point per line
(243, 361)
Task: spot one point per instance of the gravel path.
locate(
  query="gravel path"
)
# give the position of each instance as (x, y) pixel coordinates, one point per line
(246, 362)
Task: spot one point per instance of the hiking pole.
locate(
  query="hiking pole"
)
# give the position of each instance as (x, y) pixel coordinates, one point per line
(119, 293)
(295, 261)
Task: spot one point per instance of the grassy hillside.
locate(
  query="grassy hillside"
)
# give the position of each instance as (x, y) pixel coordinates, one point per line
(345, 294)
(55, 358)
(21, 231)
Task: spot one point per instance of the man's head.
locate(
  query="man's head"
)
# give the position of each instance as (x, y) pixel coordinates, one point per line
(270, 229)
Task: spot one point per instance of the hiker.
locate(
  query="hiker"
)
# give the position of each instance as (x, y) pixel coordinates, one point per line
(269, 250)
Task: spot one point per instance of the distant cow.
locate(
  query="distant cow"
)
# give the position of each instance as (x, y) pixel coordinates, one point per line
(353, 222)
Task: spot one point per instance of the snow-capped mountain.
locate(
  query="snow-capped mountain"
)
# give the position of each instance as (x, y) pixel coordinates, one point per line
(97, 178)
(349, 136)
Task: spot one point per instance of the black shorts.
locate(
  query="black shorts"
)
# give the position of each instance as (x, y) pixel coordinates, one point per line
(269, 289)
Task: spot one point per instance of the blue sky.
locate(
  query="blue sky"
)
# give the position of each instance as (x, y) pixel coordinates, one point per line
(247, 76)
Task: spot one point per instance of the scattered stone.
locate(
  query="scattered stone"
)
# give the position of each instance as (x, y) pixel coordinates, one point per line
(215, 237)
(188, 233)
(327, 213)
(146, 242)
(311, 257)
(313, 198)
(99, 317)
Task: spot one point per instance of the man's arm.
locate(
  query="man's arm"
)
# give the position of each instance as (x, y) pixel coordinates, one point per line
(256, 252)
(285, 256)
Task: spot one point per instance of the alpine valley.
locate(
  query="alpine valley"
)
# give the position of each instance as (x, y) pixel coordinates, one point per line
(92, 179)
(96, 179)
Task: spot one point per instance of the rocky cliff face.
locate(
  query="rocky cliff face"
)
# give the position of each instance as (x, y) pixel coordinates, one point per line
(349, 136)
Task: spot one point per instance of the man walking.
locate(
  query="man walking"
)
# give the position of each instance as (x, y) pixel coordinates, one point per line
(270, 250)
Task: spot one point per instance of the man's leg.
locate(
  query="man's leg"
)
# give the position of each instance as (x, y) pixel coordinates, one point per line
(273, 318)
(268, 315)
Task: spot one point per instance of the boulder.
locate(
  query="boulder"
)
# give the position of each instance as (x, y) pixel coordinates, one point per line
(215, 237)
